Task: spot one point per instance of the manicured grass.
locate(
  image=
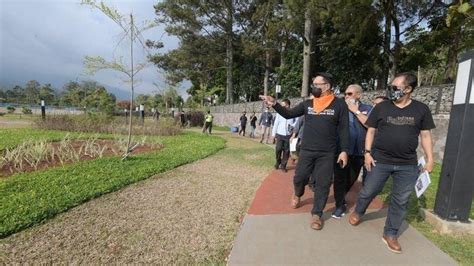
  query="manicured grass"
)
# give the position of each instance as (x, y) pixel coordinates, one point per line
(30, 198)
(18, 116)
(458, 247)
(221, 128)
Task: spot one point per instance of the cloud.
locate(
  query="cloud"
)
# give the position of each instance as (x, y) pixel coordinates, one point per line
(47, 41)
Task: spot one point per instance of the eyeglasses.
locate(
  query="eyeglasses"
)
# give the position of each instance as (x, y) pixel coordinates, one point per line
(348, 94)
(318, 84)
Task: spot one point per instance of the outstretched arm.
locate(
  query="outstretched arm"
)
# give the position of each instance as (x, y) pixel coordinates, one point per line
(286, 113)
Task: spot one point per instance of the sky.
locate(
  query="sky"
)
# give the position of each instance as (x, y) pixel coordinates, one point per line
(47, 40)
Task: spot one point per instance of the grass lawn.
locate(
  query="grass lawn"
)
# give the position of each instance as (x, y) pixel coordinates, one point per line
(30, 198)
(461, 248)
(17, 116)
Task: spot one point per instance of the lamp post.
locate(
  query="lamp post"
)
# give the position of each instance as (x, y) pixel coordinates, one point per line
(43, 110)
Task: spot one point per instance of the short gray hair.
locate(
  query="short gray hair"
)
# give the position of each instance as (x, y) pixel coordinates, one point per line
(357, 87)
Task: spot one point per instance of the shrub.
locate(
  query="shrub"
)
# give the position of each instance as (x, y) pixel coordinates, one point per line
(196, 118)
(26, 111)
(11, 109)
(99, 123)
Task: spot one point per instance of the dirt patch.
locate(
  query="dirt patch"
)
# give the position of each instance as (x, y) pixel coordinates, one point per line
(106, 148)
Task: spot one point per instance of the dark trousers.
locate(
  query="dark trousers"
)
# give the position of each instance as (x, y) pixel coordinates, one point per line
(207, 126)
(320, 166)
(242, 129)
(404, 179)
(345, 177)
(282, 150)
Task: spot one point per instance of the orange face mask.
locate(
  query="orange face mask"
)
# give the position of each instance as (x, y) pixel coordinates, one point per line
(321, 103)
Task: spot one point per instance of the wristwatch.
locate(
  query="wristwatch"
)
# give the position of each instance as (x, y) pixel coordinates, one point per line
(366, 151)
(358, 112)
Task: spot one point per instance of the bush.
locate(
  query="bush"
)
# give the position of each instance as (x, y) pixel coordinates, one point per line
(26, 111)
(196, 118)
(11, 109)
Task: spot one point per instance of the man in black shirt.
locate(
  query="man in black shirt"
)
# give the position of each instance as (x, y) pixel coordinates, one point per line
(398, 122)
(243, 123)
(253, 125)
(325, 119)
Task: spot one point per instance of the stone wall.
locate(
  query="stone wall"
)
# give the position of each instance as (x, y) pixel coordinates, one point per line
(228, 115)
(427, 95)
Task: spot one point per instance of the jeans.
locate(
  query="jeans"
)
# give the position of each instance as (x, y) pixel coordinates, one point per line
(404, 178)
(320, 166)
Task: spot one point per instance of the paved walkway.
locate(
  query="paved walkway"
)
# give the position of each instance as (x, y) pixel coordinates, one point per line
(273, 233)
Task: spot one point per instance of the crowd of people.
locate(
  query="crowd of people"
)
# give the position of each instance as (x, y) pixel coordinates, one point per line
(339, 139)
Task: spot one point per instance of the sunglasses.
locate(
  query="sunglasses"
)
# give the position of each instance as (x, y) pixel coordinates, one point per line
(394, 88)
(348, 94)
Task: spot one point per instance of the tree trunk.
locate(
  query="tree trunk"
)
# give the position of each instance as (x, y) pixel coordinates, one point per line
(395, 55)
(229, 54)
(387, 6)
(282, 54)
(308, 25)
(268, 62)
(452, 57)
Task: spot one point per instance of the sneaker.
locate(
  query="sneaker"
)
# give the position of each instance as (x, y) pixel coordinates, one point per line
(339, 212)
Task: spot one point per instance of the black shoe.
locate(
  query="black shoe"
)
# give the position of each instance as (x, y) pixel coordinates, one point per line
(277, 166)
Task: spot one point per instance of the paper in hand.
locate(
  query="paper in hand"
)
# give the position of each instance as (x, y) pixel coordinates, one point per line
(423, 180)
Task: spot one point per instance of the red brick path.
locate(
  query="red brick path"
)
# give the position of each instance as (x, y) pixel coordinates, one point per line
(274, 194)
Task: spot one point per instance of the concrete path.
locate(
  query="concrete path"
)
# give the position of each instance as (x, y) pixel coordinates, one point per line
(273, 233)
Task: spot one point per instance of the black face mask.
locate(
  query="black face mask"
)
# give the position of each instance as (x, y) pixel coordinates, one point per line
(316, 91)
(394, 93)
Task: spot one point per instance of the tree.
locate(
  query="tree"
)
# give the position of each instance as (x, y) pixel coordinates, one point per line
(214, 21)
(73, 94)
(47, 93)
(129, 28)
(31, 92)
(100, 100)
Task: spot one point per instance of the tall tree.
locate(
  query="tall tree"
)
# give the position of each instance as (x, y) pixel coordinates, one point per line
(47, 93)
(215, 20)
(31, 92)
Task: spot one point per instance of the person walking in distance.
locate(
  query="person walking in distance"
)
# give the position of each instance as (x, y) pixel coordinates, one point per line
(243, 123)
(282, 130)
(208, 123)
(253, 125)
(344, 178)
(399, 122)
(266, 120)
(326, 121)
